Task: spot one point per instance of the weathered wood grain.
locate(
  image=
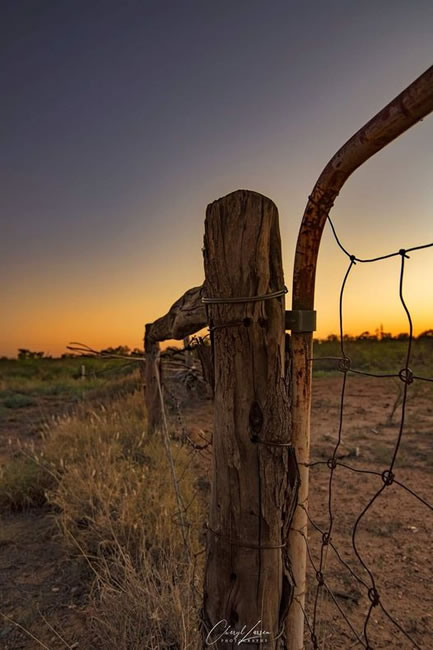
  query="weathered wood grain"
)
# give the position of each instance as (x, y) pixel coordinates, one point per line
(252, 497)
(185, 317)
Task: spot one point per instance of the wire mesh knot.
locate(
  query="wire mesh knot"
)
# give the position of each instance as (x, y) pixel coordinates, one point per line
(352, 259)
(402, 252)
(325, 539)
(388, 477)
(314, 642)
(331, 463)
(344, 364)
(406, 375)
(373, 597)
(320, 579)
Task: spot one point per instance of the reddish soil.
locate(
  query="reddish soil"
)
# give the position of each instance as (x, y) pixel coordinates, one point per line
(394, 537)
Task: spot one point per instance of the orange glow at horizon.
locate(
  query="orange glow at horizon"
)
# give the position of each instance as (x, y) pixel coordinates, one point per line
(371, 300)
(103, 313)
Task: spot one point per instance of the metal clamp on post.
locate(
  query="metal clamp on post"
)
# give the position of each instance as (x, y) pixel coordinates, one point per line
(301, 320)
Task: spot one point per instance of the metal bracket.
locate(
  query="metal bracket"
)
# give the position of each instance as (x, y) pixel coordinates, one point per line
(301, 320)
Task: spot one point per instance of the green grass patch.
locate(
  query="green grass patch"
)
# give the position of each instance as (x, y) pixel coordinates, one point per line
(16, 400)
(382, 357)
(26, 382)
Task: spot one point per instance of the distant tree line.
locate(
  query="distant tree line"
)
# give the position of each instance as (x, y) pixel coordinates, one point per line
(122, 350)
(380, 335)
(23, 353)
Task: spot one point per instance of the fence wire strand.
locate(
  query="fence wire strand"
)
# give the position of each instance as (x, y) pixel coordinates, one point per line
(387, 476)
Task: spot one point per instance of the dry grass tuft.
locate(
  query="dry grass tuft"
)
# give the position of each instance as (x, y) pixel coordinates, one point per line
(152, 599)
(23, 484)
(117, 506)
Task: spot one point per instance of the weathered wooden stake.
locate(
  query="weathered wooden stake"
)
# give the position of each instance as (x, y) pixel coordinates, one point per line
(247, 577)
(152, 396)
(188, 355)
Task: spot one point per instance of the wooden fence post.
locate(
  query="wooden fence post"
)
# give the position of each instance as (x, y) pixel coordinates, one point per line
(152, 396)
(188, 356)
(248, 583)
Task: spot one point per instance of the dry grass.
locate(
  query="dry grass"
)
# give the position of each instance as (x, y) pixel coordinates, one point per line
(116, 505)
(23, 484)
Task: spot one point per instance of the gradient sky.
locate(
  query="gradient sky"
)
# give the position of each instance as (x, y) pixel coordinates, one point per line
(122, 120)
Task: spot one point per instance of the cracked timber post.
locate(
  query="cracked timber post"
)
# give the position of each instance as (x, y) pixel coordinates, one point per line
(248, 583)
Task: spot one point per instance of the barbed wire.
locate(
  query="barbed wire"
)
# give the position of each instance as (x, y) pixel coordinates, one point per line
(387, 476)
(114, 369)
(87, 351)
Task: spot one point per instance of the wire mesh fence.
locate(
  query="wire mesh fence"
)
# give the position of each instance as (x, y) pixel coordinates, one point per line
(364, 576)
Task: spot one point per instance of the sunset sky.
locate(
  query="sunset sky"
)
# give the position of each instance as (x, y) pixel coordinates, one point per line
(122, 120)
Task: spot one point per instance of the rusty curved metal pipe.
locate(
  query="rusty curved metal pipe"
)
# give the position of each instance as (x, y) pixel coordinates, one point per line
(410, 106)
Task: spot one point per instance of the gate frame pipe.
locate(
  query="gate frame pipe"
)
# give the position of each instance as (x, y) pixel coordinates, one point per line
(410, 106)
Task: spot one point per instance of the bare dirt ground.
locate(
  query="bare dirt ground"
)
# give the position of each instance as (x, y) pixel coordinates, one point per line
(42, 590)
(394, 538)
(45, 591)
